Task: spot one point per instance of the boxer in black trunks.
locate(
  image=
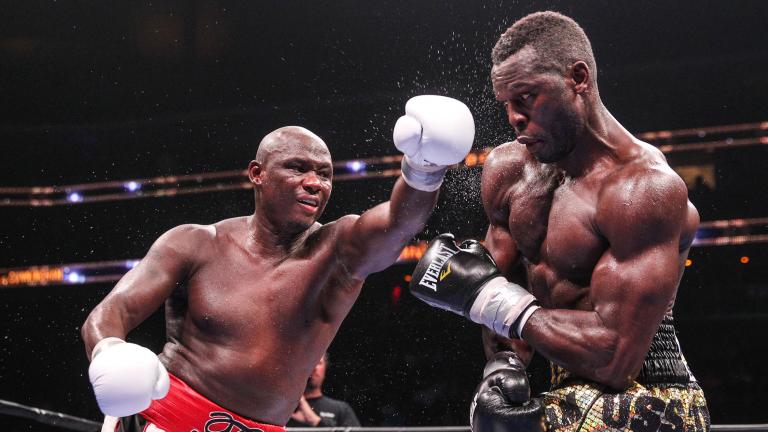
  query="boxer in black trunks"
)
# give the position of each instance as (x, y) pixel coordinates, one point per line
(599, 226)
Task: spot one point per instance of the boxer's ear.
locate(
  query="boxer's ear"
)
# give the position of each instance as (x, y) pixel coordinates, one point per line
(579, 76)
(255, 172)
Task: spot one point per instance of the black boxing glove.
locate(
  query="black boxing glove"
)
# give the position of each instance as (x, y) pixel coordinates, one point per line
(465, 280)
(502, 401)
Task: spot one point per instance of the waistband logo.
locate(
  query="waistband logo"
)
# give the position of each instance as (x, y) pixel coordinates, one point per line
(224, 422)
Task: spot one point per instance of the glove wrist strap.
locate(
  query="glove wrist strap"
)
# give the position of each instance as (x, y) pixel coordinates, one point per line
(499, 305)
(104, 344)
(524, 319)
(427, 181)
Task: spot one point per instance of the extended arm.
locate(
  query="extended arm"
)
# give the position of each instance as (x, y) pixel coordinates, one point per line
(435, 132)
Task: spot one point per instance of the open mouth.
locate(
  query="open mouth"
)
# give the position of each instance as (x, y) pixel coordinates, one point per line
(309, 203)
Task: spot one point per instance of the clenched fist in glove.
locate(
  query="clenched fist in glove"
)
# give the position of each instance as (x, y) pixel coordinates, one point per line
(502, 402)
(434, 133)
(126, 377)
(464, 279)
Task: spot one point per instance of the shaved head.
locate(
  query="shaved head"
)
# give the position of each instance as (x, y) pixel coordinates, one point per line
(287, 138)
(291, 164)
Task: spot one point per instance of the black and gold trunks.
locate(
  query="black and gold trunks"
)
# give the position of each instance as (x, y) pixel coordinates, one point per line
(664, 397)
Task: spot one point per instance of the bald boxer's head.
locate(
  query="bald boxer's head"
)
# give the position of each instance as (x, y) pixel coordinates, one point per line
(545, 74)
(291, 176)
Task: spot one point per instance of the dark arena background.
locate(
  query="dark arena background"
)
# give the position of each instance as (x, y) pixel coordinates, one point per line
(123, 119)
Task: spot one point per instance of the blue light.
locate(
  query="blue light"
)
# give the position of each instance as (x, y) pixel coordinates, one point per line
(132, 186)
(74, 197)
(356, 166)
(75, 277)
(131, 264)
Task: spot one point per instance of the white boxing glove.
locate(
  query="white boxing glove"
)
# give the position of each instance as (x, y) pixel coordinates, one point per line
(126, 377)
(435, 132)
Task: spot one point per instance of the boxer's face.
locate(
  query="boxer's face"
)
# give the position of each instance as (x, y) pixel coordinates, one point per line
(295, 181)
(539, 105)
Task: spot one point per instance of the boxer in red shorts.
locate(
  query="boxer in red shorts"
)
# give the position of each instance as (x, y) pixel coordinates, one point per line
(252, 302)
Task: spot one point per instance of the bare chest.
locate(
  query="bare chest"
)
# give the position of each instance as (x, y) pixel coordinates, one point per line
(237, 295)
(556, 234)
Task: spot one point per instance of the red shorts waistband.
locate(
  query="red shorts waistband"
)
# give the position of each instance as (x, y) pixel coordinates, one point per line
(185, 410)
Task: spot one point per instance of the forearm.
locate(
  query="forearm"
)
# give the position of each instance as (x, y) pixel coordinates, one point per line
(100, 324)
(580, 342)
(409, 209)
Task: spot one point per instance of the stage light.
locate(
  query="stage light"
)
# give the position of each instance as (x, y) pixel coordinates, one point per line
(74, 197)
(131, 264)
(75, 277)
(132, 186)
(688, 263)
(744, 260)
(356, 166)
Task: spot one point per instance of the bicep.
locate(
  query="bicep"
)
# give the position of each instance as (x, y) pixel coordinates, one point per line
(376, 238)
(145, 287)
(503, 249)
(365, 244)
(630, 297)
(633, 291)
(635, 281)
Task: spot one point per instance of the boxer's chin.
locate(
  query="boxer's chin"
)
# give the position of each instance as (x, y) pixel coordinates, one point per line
(297, 225)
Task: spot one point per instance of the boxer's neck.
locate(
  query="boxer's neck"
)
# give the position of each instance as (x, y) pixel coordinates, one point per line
(266, 238)
(602, 143)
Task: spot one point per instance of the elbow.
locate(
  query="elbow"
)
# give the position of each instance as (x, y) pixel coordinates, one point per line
(618, 366)
(616, 382)
(89, 328)
(86, 327)
(604, 345)
(94, 327)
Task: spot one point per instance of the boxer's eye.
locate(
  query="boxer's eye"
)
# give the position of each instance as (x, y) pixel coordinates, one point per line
(295, 167)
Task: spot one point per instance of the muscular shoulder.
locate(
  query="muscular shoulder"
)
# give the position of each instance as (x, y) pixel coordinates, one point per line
(645, 199)
(510, 173)
(505, 164)
(338, 231)
(344, 222)
(332, 231)
(186, 240)
(326, 238)
(503, 168)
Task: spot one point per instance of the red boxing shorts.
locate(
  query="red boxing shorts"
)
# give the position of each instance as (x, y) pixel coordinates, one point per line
(185, 410)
